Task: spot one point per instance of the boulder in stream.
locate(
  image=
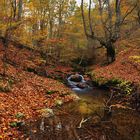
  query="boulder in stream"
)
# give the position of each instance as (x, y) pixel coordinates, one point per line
(76, 78)
(82, 85)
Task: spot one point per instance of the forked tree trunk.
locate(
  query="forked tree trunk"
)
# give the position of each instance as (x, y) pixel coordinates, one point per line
(111, 54)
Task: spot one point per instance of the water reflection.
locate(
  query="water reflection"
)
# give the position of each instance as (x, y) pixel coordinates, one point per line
(82, 120)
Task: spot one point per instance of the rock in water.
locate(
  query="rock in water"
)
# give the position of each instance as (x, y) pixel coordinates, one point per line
(82, 85)
(76, 78)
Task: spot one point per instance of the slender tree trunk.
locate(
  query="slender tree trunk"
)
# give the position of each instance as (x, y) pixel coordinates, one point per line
(138, 13)
(42, 22)
(50, 29)
(20, 9)
(5, 45)
(14, 8)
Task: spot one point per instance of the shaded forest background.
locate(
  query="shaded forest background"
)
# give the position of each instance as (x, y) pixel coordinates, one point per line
(55, 28)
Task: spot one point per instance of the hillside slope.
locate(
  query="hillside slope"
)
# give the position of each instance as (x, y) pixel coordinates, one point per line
(127, 64)
(23, 92)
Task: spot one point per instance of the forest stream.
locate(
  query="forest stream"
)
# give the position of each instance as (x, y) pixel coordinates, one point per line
(69, 69)
(84, 119)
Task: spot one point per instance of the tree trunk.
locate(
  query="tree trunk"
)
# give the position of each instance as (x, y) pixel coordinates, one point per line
(20, 9)
(14, 8)
(5, 44)
(50, 29)
(111, 54)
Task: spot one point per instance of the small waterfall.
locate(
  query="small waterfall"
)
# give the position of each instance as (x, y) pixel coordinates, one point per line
(78, 84)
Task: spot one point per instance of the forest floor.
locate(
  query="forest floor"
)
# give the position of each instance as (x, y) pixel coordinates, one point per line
(126, 67)
(23, 94)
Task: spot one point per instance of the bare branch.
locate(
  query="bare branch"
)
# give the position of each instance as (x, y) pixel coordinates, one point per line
(128, 13)
(92, 35)
(89, 16)
(83, 121)
(101, 15)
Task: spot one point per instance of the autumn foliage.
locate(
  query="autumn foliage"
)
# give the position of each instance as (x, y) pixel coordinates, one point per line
(27, 93)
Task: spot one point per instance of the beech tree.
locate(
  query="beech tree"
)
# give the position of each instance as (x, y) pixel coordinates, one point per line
(111, 18)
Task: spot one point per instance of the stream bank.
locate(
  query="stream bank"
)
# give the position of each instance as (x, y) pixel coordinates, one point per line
(84, 119)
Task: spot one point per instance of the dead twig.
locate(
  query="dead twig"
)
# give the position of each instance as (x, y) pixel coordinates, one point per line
(109, 100)
(83, 121)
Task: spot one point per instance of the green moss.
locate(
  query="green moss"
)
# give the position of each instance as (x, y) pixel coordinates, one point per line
(58, 102)
(19, 115)
(135, 58)
(5, 89)
(6, 84)
(123, 85)
(98, 81)
(16, 124)
(113, 82)
(126, 87)
(49, 92)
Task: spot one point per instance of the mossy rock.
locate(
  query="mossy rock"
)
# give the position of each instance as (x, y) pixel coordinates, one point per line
(58, 102)
(5, 89)
(76, 78)
(49, 92)
(16, 124)
(19, 115)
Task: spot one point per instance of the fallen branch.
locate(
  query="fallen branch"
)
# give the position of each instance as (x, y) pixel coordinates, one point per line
(83, 121)
(109, 100)
(121, 106)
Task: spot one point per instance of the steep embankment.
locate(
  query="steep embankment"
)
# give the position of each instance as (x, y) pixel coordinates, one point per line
(23, 94)
(127, 64)
(126, 67)
(122, 77)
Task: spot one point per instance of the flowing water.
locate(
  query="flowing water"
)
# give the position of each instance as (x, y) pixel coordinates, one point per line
(84, 120)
